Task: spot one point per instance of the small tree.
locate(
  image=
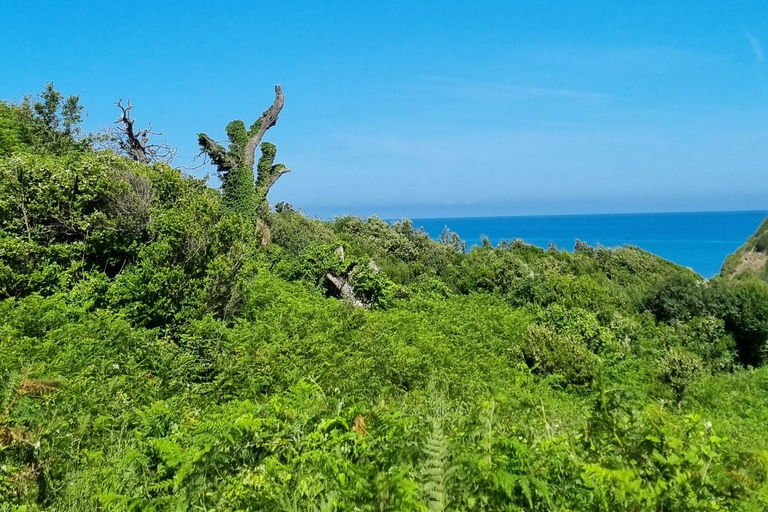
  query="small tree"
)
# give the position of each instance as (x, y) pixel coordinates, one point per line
(59, 115)
(49, 122)
(244, 192)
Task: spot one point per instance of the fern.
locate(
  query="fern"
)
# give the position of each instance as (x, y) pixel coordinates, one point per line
(436, 471)
(8, 386)
(486, 440)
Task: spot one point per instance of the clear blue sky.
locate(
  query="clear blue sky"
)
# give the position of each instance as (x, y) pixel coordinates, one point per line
(408, 108)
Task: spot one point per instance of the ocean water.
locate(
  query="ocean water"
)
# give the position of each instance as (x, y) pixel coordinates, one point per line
(699, 240)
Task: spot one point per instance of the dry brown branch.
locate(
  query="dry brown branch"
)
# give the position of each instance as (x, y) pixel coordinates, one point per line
(135, 143)
(359, 427)
(37, 387)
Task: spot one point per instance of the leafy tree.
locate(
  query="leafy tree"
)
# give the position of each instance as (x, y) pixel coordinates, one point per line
(743, 306)
(58, 114)
(49, 125)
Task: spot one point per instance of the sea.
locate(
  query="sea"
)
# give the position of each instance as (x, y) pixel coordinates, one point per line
(698, 240)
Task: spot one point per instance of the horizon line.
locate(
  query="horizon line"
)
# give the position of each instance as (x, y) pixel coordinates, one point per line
(604, 214)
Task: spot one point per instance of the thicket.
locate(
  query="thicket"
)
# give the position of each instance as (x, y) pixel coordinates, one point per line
(156, 354)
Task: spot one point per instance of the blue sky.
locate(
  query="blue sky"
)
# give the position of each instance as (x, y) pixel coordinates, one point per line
(408, 108)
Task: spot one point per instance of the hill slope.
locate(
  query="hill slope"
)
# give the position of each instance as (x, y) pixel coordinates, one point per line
(751, 258)
(157, 354)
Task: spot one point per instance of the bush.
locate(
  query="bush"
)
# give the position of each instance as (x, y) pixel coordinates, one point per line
(295, 232)
(316, 262)
(680, 296)
(678, 368)
(549, 352)
(743, 306)
(707, 338)
(492, 270)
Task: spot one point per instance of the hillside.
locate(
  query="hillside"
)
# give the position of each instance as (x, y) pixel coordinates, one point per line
(751, 258)
(159, 351)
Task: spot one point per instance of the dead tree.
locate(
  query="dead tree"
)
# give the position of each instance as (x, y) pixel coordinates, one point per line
(245, 191)
(135, 143)
(342, 283)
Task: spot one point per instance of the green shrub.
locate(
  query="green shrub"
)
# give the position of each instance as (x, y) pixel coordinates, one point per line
(294, 232)
(678, 368)
(679, 297)
(707, 338)
(743, 306)
(549, 352)
(493, 270)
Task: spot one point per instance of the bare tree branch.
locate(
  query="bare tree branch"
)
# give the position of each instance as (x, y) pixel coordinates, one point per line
(277, 171)
(216, 152)
(135, 143)
(267, 120)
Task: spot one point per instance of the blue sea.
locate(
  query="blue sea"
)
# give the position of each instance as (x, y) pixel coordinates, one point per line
(699, 240)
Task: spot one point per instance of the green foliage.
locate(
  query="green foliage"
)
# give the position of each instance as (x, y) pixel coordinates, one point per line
(49, 125)
(659, 463)
(316, 262)
(294, 232)
(157, 354)
(549, 352)
(742, 305)
(267, 171)
(679, 367)
(238, 191)
(405, 254)
(59, 114)
(493, 271)
(242, 194)
(707, 338)
(437, 472)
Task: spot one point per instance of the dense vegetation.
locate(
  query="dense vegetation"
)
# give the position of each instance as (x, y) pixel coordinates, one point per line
(156, 353)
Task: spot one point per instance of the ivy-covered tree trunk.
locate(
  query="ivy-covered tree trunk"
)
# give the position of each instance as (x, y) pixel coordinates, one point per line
(243, 191)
